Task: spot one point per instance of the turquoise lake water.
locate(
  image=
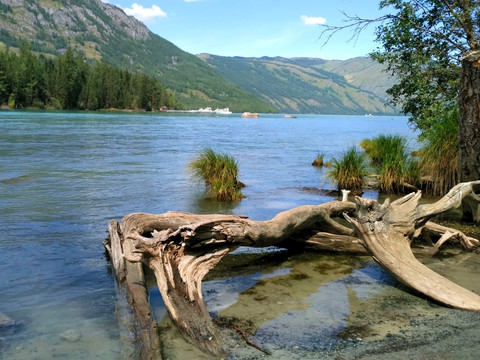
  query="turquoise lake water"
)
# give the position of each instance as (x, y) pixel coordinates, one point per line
(63, 176)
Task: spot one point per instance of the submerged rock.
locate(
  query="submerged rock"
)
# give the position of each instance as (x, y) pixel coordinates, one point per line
(70, 335)
(7, 325)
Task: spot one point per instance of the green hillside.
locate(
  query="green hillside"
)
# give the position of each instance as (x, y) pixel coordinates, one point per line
(363, 73)
(100, 31)
(104, 32)
(306, 85)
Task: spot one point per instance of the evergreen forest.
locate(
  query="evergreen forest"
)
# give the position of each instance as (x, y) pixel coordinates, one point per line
(69, 82)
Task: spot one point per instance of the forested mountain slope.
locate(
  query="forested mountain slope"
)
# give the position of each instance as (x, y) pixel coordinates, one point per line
(104, 32)
(101, 31)
(310, 85)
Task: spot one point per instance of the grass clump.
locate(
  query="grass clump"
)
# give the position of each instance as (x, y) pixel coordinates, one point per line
(390, 159)
(438, 156)
(319, 160)
(219, 171)
(349, 171)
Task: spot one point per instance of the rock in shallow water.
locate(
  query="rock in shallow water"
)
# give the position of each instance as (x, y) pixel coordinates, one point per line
(70, 335)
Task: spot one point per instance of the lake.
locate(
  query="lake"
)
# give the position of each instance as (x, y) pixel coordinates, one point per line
(65, 175)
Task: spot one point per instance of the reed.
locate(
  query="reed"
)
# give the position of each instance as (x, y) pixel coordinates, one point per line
(438, 156)
(219, 171)
(349, 171)
(390, 159)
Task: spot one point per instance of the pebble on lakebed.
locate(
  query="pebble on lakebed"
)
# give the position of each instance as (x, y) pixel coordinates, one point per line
(70, 335)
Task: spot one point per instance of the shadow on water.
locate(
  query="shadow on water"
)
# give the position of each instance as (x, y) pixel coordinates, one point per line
(211, 206)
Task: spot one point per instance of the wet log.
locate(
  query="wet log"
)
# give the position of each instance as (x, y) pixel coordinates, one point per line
(138, 329)
(386, 231)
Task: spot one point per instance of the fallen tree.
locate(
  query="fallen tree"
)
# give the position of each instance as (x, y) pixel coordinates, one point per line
(181, 248)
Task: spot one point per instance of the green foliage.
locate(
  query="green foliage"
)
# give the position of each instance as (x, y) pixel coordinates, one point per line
(4, 8)
(438, 157)
(349, 171)
(432, 47)
(219, 172)
(422, 46)
(391, 160)
(8, 39)
(436, 163)
(68, 82)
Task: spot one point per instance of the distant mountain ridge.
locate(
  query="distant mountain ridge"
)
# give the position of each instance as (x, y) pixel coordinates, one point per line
(104, 32)
(310, 85)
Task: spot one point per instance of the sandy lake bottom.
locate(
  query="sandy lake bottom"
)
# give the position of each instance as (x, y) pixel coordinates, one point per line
(317, 306)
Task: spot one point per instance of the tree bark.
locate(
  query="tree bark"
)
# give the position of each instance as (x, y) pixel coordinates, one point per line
(469, 119)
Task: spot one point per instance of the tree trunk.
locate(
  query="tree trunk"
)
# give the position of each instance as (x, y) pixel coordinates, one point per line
(469, 119)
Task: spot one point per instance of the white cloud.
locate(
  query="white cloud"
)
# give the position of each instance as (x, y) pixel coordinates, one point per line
(309, 20)
(146, 15)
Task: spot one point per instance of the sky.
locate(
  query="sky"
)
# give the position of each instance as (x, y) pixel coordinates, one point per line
(256, 28)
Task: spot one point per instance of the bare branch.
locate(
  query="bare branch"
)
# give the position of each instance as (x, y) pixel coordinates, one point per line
(352, 22)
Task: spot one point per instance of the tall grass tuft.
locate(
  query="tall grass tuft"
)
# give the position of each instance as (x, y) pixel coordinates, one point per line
(349, 171)
(389, 157)
(438, 157)
(219, 172)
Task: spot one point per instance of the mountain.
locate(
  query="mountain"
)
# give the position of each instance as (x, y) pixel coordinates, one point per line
(310, 85)
(104, 32)
(101, 31)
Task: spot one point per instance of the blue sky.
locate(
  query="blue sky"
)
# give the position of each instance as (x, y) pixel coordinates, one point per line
(255, 28)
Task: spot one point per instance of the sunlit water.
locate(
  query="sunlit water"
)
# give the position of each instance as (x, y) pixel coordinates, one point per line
(65, 175)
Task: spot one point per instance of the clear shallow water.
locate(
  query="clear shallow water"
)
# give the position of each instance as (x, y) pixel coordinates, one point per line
(63, 176)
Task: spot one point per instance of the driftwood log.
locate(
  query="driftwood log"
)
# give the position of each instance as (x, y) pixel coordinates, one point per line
(138, 328)
(181, 248)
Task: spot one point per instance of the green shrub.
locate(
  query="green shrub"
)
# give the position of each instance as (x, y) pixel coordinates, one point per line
(438, 156)
(390, 159)
(349, 171)
(219, 172)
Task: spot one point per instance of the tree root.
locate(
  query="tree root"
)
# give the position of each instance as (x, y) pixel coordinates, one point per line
(181, 248)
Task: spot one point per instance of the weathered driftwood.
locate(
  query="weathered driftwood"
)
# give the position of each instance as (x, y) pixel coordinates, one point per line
(131, 288)
(386, 232)
(181, 248)
(444, 233)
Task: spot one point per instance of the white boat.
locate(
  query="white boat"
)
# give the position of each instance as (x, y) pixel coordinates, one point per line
(225, 111)
(206, 110)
